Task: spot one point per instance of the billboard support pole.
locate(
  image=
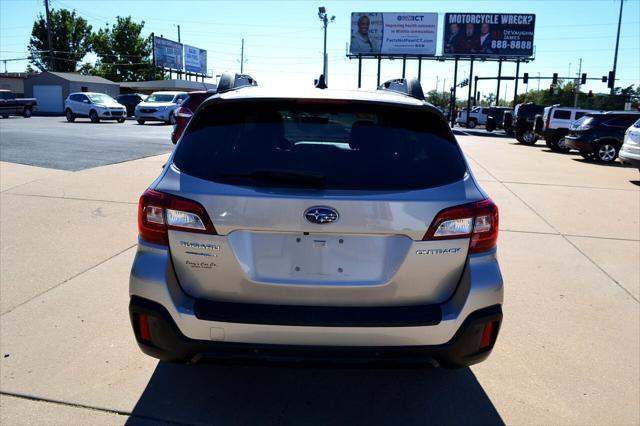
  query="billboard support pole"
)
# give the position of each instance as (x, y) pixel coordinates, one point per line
(469, 96)
(475, 90)
(499, 75)
(404, 65)
(420, 69)
(359, 71)
(453, 100)
(379, 61)
(153, 57)
(515, 92)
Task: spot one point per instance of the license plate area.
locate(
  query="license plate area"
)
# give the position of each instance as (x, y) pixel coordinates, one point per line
(319, 259)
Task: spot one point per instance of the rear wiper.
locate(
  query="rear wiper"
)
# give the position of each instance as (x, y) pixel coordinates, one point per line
(306, 178)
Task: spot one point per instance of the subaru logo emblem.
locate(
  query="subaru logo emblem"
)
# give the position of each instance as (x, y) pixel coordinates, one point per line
(321, 215)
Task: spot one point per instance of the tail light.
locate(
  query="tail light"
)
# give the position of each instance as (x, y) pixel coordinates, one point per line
(478, 221)
(158, 212)
(183, 112)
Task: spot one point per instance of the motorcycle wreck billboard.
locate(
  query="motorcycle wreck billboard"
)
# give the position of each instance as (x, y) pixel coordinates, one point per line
(488, 35)
(393, 34)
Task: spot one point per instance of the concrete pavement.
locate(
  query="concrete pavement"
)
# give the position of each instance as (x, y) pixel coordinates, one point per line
(568, 353)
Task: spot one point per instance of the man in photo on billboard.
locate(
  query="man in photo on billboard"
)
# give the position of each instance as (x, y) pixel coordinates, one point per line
(454, 34)
(360, 40)
(485, 39)
(469, 42)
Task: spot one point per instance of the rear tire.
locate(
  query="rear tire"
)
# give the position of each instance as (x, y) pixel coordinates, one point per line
(472, 124)
(172, 119)
(27, 112)
(561, 146)
(70, 116)
(606, 152)
(140, 121)
(120, 120)
(93, 116)
(528, 137)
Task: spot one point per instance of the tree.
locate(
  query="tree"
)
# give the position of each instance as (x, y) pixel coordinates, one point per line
(437, 98)
(564, 95)
(123, 54)
(70, 39)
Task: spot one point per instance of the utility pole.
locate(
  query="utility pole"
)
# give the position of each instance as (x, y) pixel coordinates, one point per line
(615, 56)
(46, 6)
(242, 57)
(179, 41)
(322, 14)
(577, 87)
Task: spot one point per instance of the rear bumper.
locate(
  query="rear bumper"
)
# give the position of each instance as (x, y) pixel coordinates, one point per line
(168, 343)
(182, 329)
(581, 145)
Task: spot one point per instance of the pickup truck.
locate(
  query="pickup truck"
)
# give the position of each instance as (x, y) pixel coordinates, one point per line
(10, 105)
(478, 116)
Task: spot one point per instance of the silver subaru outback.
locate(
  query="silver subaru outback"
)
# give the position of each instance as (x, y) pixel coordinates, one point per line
(319, 225)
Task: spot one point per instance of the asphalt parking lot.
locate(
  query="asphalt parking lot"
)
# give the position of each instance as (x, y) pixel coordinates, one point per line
(54, 143)
(568, 353)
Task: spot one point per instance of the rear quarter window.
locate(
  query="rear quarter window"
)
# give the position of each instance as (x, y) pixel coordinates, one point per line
(562, 114)
(351, 146)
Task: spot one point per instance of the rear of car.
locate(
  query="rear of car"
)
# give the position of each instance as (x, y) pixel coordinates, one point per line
(630, 151)
(600, 136)
(185, 111)
(523, 126)
(130, 101)
(555, 123)
(328, 225)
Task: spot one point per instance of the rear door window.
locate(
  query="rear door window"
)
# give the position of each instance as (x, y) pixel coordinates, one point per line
(562, 114)
(334, 145)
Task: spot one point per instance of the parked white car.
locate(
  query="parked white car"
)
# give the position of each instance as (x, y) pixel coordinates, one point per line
(478, 116)
(96, 106)
(630, 151)
(159, 106)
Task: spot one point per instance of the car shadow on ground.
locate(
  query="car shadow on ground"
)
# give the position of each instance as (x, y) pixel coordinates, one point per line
(230, 395)
(87, 121)
(599, 163)
(480, 132)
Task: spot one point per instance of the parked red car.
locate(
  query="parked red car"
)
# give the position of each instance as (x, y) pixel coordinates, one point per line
(185, 111)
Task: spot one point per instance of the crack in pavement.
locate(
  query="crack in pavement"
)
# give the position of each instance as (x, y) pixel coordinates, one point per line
(91, 407)
(73, 198)
(616, 282)
(68, 279)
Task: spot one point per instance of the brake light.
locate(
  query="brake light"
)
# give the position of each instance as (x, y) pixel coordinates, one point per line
(158, 212)
(478, 221)
(184, 112)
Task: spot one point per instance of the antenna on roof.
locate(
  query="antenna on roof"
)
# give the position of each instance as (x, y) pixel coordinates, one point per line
(320, 82)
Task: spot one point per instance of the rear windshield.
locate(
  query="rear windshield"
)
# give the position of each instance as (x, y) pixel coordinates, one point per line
(360, 146)
(160, 98)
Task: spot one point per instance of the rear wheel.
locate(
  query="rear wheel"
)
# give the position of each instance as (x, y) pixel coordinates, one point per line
(172, 119)
(70, 116)
(527, 137)
(27, 112)
(561, 145)
(140, 121)
(93, 116)
(606, 152)
(472, 124)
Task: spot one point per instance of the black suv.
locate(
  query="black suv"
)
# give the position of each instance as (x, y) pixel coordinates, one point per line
(496, 118)
(130, 101)
(600, 136)
(523, 120)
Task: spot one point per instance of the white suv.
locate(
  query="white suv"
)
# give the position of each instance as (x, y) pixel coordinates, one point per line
(478, 117)
(630, 151)
(96, 106)
(159, 106)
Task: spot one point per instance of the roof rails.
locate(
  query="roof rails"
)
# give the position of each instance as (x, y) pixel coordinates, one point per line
(230, 81)
(410, 87)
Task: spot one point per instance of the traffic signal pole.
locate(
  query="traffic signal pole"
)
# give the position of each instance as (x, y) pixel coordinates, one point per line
(469, 97)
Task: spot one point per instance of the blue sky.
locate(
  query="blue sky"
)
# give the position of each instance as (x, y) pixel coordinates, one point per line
(283, 40)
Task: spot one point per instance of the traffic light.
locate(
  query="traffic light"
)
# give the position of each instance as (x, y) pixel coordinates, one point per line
(583, 79)
(555, 78)
(525, 78)
(604, 78)
(612, 79)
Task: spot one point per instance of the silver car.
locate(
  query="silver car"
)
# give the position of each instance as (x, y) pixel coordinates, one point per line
(159, 106)
(342, 226)
(630, 151)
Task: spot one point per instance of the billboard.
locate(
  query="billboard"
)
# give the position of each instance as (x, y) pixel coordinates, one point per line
(195, 60)
(168, 53)
(482, 34)
(393, 33)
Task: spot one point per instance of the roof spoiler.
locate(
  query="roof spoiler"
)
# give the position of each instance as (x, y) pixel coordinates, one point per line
(231, 81)
(410, 87)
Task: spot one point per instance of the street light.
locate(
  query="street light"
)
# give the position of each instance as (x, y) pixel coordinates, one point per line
(322, 14)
